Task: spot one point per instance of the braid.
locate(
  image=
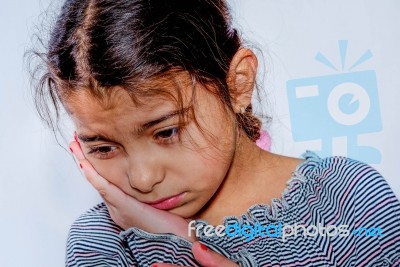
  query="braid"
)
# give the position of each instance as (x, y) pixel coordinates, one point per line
(249, 123)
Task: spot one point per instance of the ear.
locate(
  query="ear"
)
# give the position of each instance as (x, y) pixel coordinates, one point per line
(241, 78)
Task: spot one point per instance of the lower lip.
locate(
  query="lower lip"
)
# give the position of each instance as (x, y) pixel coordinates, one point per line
(169, 203)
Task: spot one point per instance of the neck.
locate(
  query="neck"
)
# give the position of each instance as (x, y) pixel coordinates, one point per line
(249, 167)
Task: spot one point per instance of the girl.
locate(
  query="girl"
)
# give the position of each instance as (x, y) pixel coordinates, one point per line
(160, 95)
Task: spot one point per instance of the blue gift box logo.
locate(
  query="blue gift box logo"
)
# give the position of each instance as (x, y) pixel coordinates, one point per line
(338, 105)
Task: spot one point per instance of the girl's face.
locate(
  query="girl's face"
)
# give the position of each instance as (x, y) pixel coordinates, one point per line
(148, 162)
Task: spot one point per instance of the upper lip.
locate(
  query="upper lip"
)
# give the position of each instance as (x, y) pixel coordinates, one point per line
(159, 200)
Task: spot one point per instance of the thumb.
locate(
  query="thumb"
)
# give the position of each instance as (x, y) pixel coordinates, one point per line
(208, 258)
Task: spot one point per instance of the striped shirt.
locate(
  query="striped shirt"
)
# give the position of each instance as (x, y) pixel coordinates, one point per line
(330, 192)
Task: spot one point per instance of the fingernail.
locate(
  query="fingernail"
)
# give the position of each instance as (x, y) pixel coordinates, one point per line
(203, 247)
(154, 265)
(80, 165)
(76, 137)
(71, 150)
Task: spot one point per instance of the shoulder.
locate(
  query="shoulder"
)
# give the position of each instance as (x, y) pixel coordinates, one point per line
(343, 177)
(344, 191)
(95, 223)
(332, 166)
(339, 173)
(95, 237)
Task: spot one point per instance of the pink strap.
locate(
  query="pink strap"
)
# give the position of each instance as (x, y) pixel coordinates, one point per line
(264, 141)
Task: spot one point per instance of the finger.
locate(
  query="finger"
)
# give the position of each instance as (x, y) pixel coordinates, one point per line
(110, 193)
(118, 202)
(208, 258)
(76, 149)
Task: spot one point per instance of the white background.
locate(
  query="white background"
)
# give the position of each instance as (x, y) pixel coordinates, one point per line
(42, 190)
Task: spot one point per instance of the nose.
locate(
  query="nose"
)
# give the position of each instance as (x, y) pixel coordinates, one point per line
(144, 174)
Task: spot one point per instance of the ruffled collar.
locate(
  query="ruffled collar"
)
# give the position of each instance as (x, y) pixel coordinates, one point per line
(265, 214)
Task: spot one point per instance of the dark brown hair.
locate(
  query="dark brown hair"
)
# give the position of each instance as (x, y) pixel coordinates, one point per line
(99, 44)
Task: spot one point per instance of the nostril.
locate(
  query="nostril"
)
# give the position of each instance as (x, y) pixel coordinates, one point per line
(143, 186)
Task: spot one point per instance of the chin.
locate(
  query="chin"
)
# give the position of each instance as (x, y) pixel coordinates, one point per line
(183, 211)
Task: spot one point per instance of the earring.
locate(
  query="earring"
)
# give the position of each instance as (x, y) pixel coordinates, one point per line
(242, 110)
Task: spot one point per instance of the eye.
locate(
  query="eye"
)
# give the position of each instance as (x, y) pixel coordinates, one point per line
(168, 136)
(102, 152)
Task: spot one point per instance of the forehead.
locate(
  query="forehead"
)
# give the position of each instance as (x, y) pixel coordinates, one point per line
(169, 90)
(121, 119)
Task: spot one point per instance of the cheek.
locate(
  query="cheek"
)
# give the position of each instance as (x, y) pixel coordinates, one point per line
(211, 162)
(209, 172)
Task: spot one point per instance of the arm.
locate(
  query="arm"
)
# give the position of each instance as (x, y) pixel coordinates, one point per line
(356, 195)
(94, 240)
(376, 206)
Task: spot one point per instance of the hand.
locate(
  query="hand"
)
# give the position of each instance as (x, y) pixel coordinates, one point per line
(204, 256)
(125, 210)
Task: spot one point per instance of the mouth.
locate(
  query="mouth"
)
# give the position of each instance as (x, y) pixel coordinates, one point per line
(167, 203)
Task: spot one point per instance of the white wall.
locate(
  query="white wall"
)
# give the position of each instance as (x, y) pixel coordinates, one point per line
(42, 190)
(348, 110)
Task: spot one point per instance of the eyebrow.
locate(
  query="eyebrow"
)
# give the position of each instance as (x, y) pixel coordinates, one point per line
(100, 137)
